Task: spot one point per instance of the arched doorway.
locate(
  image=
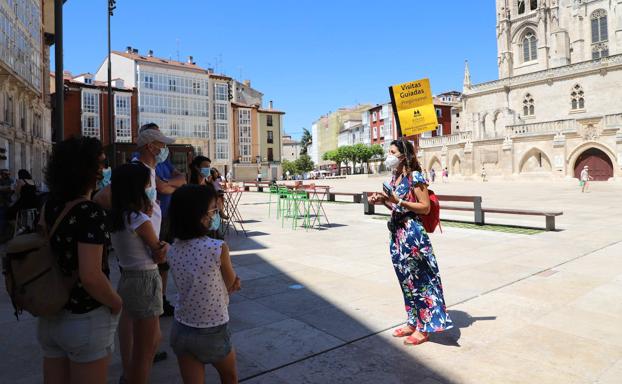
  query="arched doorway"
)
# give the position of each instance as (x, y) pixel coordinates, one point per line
(601, 168)
(456, 166)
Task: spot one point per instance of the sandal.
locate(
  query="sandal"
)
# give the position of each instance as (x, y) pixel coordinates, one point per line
(404, 331)
(412, 340)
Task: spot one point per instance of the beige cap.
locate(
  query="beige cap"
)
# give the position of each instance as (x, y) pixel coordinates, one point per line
(148, 135)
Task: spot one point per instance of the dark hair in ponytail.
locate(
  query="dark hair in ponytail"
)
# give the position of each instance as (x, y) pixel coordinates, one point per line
(407, 149)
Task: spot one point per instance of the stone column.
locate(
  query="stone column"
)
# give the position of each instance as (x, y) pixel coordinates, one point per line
(617, 168)
(467, 165)
(507, 158)
(559, 166)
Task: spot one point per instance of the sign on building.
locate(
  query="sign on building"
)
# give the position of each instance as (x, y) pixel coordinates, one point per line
(413, 107)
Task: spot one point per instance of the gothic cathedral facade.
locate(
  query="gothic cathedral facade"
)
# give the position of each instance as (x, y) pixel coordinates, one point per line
(557, 105)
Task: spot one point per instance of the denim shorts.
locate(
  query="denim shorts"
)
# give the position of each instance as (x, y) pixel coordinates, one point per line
(141, 292)
(82, 338)
(208, 345)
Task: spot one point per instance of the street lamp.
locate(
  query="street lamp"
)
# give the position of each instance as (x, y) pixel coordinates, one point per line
(111, 7)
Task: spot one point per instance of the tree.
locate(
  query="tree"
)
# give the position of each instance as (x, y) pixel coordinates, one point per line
(365, 153)
(335, 156)
(305, 141)
(348, 153)
(289, 166)
(304, 164)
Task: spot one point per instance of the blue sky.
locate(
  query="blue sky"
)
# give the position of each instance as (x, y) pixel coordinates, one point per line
(310, 57)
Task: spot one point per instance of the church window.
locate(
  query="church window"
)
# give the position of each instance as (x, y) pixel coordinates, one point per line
(533, 4)
(529, 106)
(600, 35)
(530, 47)
(577, 97)
(521, 7)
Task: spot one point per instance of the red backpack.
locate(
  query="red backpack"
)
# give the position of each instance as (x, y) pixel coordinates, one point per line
(433, 218)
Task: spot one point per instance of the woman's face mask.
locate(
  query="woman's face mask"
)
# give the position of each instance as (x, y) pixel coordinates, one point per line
(206, 171)
(151, 193)
(392, 161)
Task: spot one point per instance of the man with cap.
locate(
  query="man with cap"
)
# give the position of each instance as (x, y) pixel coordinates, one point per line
(585, 178)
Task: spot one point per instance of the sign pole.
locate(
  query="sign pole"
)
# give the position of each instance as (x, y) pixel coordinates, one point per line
(395, 115)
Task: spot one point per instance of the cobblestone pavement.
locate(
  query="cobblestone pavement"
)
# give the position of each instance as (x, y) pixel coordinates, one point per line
(317, 306)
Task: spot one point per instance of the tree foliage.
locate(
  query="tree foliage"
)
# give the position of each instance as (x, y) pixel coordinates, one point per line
(304, 164)
(289, 166)
(358, 153)
(305, 141)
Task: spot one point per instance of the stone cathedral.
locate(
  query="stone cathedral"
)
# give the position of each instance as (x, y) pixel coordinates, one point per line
(557, 105)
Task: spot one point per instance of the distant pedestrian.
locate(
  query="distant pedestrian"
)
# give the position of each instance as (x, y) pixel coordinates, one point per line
(483, 174)
(445, 175)
(432, 174)
(411, 250)
(78, 342)
(7, 188)
(204, 277)
(106, 176)
(25, 194)
(287, 175)
(258, 176)
(229, 180)
(585, 179)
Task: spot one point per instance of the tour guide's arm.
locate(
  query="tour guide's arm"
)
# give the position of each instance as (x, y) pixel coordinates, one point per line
(422, 206)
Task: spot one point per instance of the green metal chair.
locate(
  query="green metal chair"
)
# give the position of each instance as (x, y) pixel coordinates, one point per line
(274, 191)
(300, 207)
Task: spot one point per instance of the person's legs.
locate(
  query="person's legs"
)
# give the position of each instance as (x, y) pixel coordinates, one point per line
(192, 370)
(55, 370)
(227, 369)
(126, 339)
(95, 372)
(146, 340)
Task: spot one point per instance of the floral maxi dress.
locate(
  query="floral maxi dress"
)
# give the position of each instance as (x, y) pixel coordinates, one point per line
(416, 269)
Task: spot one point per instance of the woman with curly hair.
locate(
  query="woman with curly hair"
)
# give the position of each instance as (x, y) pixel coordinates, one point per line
(77, 342)
(411, 250)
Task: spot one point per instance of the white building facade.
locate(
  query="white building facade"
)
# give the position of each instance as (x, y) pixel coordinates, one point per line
(25, 113)
(556, 106)
(186, 101)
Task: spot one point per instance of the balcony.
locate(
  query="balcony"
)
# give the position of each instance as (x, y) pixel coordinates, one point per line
(560, 126)
(439, 141)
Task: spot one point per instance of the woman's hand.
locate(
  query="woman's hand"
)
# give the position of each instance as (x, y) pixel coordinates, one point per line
(391, 199)
(376, 198)
(117, 306)
(237, 285)
(159, 255)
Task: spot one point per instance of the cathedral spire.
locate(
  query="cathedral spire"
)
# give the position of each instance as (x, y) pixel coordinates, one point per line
(467, 76)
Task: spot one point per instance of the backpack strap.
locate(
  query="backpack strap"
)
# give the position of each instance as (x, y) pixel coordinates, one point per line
(68, 207)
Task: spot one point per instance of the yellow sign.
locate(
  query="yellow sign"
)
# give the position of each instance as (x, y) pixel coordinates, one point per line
(413, 107)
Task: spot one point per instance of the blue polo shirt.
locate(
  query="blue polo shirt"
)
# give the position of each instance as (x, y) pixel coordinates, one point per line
(165, 171)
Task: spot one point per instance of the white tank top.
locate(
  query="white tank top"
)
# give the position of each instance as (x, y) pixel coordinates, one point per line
(202, 297)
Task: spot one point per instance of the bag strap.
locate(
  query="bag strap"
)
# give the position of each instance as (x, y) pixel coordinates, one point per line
(68, 207)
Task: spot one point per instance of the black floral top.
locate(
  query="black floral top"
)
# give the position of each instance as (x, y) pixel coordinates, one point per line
(85, 223)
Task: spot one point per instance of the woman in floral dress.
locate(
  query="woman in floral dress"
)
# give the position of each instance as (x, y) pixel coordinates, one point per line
(411, 250)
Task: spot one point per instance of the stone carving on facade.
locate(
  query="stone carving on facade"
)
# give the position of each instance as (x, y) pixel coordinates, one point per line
(559, 140)
(507, 143)
(589, 130)
(468, 147)
(489, 156)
